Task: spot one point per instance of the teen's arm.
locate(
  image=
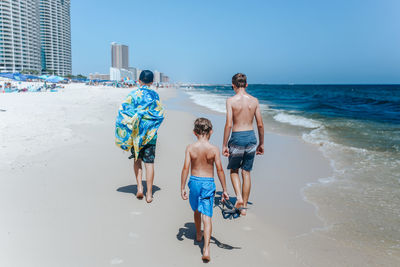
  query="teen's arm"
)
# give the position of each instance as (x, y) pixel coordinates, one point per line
(185, 173)
(228, 128)
(221, 173)
(260, 128)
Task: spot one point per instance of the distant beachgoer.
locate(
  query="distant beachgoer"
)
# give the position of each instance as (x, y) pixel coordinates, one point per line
(201, 157)
(241, 109)
(139, 118)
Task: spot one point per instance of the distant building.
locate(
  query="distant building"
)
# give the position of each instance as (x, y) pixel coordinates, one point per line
(165, 79)
(134, 72)
(117, 74)
(35, 36)
(138, 71)
(55, 32)
(157, 76)
(119, 56)
(98, 76)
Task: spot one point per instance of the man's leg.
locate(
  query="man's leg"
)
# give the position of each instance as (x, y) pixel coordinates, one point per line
(207, 236)
(137, 167)
(245, 189)
(237, 187)
(197, 223)
(149, 180)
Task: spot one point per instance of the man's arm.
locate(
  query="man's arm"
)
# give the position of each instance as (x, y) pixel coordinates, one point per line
(184, 175)
(260, 128)
(220, 173)
(228, 128)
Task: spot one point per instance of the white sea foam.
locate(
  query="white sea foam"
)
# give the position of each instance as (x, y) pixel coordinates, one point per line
(297, 120)
(212, 101)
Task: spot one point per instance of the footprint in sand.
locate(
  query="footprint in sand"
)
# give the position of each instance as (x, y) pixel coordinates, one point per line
(136, 213)
(116, 261)
(133, 235)
(247, 228)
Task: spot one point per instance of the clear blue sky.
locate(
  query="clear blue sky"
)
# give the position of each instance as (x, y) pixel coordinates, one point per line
(292, 41)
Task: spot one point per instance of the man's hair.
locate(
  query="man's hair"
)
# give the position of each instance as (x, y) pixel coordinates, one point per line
(146, 76)
(239, 80)
(202, 126)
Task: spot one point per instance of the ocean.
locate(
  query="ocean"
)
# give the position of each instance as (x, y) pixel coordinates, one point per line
(357, 127)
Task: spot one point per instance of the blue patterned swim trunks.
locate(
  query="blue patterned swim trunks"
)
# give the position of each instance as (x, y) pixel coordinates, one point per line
(242, 150)
(201, 195)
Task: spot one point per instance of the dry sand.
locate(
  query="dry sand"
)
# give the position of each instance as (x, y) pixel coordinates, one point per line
(67, 192)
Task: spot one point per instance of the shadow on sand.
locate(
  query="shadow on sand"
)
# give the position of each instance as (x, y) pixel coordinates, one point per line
(189, 232)
(132, 189)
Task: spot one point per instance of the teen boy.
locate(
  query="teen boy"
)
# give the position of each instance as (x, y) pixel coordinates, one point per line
(138, 120)
(201, 157)
(241, 109)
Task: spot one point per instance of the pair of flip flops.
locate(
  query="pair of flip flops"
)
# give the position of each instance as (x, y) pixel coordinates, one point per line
(229, 211)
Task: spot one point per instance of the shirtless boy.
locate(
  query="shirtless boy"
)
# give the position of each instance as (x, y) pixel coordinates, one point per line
(201, 157)
(241, 109)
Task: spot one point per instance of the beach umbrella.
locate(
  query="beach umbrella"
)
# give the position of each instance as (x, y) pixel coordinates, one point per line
(43, 77)
(54, 79)
(31, 77)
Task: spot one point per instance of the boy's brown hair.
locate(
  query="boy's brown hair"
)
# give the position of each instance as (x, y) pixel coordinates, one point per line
(239, 80)
(202, 126)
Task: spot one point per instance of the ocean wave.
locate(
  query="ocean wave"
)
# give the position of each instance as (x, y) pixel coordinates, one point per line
(297, 120)
(212, 101)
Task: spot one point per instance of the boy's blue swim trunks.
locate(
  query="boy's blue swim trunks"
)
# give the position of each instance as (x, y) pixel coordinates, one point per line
(242, 149)
(201, 195)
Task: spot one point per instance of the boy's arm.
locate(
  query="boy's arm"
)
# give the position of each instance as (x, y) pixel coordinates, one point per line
(260, 128)
(228, 128)
(184, 175)
(220, 173)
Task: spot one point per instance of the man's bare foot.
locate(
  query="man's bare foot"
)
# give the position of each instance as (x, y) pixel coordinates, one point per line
(149, 198)
(199, 236)
(139, 193)
(206, 255)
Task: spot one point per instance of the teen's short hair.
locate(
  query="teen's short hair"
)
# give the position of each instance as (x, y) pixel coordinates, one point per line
(202, 126)
(239, 80)
(146, 76)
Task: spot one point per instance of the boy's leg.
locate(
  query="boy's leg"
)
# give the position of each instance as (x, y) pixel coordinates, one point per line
(207, 236)
(237, 187)
(245, 189)
(197, 223)
(137, 167)
(149, 180)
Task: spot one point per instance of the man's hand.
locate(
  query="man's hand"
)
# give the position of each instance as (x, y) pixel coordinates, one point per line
(225, 151)
(260, 150)
(225, 195)
(184, 194)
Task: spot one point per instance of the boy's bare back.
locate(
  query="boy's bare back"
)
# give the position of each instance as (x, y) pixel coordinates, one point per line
(202, 158)
(243, 108)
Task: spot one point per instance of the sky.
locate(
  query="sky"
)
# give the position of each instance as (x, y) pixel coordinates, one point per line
(208, 41)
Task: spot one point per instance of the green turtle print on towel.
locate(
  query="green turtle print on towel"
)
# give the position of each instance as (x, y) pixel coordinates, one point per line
(138, 120)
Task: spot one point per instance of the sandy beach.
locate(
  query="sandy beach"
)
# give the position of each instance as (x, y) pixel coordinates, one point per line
(67, 194)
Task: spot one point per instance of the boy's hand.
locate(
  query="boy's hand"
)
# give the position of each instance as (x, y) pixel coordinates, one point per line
(184, 194)
(225, 151)
(260, 150)
(225, 195)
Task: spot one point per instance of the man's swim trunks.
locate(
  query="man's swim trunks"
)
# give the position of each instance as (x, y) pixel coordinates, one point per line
(201, 196)
(148, 153)
(242, 149)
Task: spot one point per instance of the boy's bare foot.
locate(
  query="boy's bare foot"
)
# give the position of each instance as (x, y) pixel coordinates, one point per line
(243, 212)
(206, 255)
(199, 236)
(239, 203)
(139, 193)
(149, 198)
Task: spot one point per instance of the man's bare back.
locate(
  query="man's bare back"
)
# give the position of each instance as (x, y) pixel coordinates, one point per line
(244, 107)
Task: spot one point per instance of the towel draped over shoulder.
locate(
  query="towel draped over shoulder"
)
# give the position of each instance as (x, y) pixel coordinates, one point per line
(138, 120)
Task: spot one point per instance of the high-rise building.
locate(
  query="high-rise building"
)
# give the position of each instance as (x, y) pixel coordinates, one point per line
(35, 36)
(157, 78)
(19, 36)
(55, 29)
(119, 56)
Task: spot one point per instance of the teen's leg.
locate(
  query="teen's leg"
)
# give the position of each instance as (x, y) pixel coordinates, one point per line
(197, 223)
(137, 167)
(207, 236)
(149, 180)
(237, 187)
(246, 189)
